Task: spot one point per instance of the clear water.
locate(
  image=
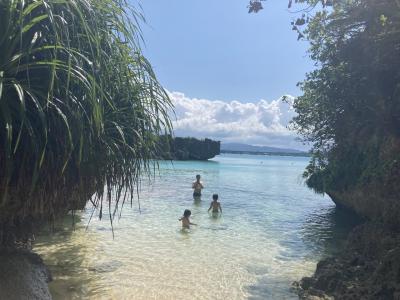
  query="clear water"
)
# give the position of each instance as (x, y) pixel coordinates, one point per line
(273, 231)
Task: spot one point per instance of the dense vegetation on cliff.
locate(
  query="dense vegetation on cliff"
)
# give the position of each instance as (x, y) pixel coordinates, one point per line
(187, 148)
(350, 107)
(80, 107)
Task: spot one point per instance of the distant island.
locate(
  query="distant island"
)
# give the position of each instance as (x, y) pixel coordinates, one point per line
(187, 148)
(239, 148)
(190, 148)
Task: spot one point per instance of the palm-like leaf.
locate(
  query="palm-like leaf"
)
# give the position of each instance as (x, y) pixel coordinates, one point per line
(80, 107)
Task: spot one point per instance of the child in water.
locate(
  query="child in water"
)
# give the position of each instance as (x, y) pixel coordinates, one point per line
(185, 219)
(197, 186)
(215, 205)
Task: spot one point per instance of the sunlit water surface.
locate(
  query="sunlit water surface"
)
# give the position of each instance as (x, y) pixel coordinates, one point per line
(273, 231)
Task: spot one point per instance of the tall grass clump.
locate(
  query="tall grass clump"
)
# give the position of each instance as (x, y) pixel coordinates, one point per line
(80, 108)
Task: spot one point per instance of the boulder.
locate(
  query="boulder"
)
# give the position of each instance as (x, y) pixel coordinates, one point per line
(23, 275)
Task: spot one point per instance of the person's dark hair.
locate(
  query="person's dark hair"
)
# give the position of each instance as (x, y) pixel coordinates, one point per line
(215, 196)
(187, 213)
(198, 176)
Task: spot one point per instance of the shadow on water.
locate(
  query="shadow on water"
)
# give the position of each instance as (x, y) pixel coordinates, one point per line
(62, 229)
(67, 260)
(323, 233)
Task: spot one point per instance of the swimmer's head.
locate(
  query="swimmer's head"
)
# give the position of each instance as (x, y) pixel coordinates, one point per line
(187, 213)
(198, 177)
(215, 196)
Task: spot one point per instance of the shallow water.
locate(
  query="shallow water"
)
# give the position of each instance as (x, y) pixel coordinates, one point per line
(273, 231)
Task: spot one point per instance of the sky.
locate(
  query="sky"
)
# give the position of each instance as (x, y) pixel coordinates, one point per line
(226, 69)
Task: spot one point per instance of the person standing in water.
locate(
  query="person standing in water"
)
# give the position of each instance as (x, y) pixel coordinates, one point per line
(197, 186)
(185, 219)
(215, 205)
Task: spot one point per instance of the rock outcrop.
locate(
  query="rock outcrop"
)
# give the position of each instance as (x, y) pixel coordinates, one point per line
(376, 202)
(188, 148)
(23, 275)
(375, 195)
(368, 268)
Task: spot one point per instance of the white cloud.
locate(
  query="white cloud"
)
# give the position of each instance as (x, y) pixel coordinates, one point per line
(261, 123)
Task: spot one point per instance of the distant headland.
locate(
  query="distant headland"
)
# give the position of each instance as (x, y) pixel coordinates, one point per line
(238, 148)
(190, 148)
(187, 148)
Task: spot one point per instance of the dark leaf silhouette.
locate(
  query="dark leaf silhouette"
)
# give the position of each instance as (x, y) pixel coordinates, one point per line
(255, 6)
(300, 22)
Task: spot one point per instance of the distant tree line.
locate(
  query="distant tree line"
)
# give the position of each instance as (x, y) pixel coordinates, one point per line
(187, 148)
(300, 154)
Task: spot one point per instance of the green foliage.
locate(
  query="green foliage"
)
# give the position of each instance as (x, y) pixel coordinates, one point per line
(350, 107)
(188, 148)
(80, 106)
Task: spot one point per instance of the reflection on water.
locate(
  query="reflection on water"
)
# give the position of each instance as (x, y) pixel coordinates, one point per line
(326, 230)
(215, 215)
(272, 231)
(323, 234)
(197, 201)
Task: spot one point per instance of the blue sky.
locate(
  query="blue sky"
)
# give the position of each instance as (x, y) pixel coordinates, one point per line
(214, 50)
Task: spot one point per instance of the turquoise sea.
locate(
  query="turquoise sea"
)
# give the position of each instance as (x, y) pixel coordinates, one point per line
(273, 231)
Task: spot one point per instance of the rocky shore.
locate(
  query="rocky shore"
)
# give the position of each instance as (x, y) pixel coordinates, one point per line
(368, 268)
(23, 275)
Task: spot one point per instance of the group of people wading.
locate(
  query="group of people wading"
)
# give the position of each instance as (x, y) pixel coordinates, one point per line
(215, 206)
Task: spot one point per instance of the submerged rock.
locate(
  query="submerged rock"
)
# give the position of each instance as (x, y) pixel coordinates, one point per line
(23, 275)
(368, 268)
